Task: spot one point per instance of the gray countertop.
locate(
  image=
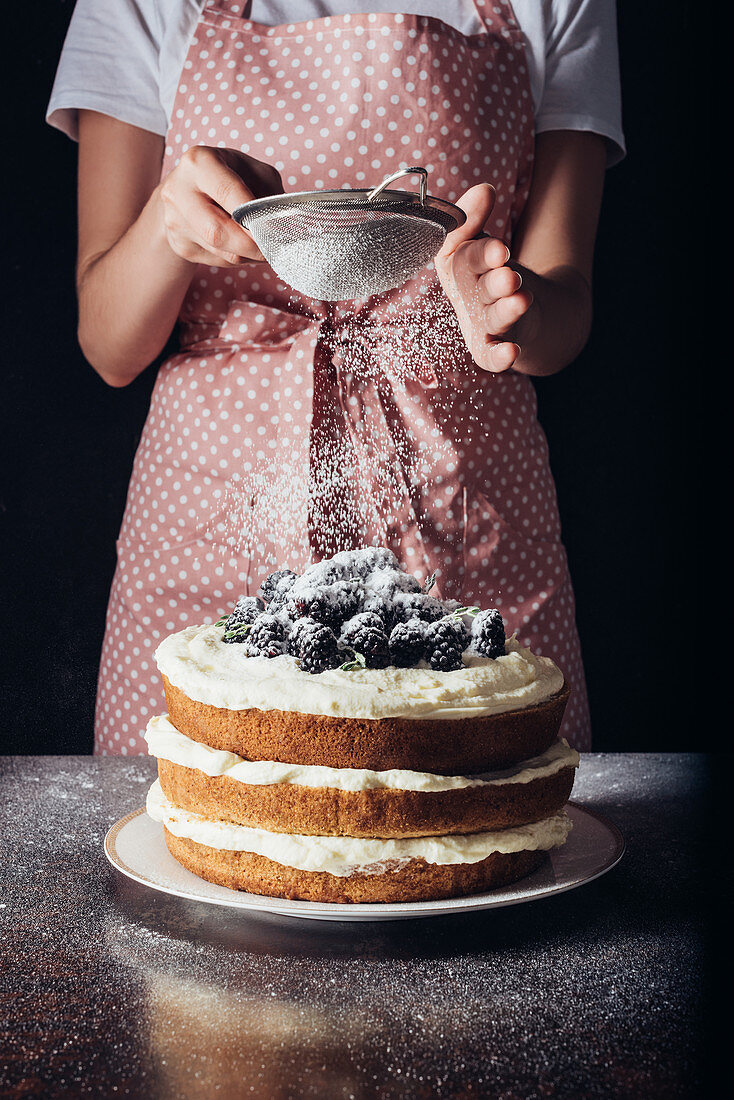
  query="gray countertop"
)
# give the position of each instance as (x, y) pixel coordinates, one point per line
(111, 989)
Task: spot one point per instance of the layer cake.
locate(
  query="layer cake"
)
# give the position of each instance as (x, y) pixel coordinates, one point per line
(303, 757)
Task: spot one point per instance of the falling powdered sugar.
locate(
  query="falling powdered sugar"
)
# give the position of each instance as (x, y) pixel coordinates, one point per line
(393, 407)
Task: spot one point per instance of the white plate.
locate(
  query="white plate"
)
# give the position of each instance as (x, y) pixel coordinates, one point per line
(136, 846)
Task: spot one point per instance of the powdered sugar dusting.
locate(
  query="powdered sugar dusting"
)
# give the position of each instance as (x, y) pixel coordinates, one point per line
(395, 402)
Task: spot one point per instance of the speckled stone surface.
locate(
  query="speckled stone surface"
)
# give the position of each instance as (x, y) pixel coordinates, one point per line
(110, 989)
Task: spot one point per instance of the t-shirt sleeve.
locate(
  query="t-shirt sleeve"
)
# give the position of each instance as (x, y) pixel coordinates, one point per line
(110, 64)
(581, 90)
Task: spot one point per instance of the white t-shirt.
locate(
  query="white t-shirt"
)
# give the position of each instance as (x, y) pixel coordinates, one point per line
(124, 57)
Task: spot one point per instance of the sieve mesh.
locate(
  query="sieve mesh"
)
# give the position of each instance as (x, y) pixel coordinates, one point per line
(333, 245)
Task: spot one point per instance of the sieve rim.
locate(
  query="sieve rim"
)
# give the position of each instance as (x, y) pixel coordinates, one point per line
(387, 200)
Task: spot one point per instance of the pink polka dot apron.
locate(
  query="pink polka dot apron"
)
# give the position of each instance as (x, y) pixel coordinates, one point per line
(289, 428)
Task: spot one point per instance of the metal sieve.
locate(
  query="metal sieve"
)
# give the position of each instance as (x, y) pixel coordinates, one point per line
(350, 243)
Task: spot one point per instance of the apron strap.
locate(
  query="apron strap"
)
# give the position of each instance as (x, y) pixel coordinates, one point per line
(488, 10)
(239, 8)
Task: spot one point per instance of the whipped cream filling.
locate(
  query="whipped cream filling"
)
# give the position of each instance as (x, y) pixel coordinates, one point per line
(167, 743)
(207, 669)
(345, 855)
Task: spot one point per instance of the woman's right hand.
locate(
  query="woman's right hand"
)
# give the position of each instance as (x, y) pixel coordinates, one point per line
(197, 200)
(141, 238)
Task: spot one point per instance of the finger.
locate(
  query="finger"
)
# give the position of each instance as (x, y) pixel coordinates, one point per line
(214, 230)
(483, 254)
(499, 283)
(190, 246)
(219, 257)
(502, 356)
(215, 179)
(506, 312)
(196, 253)
(477, 204)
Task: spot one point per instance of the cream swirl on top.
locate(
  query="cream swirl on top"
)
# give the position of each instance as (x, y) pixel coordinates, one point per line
(198, 662)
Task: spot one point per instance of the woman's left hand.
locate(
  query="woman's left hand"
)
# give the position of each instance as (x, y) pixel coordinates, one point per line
(491, 304)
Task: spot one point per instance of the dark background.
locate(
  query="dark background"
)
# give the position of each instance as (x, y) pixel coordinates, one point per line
(618, 420)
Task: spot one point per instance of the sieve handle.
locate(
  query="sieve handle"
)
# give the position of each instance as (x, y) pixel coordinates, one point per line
(396, 176)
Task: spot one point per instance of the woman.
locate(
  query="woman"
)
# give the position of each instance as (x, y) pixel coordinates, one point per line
(425, 410)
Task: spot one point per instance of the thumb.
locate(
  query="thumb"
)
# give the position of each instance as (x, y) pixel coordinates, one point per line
(258, 176)
(477, 204)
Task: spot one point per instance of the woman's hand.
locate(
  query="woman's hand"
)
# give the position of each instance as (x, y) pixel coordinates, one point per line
(198, 197)
(492, 306)
(140, 239)
(531, 313)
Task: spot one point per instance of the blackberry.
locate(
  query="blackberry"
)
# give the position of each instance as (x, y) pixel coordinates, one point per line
(384, 609)
(417, 605)
(406, 582)
(361, 563)
(446, 641)
(267, 637)
(245, 612)
(270, 586)
(323, 573)
(357, 623)
(330, 604)
(387, 582)
(318, 648)
(454, 626)
(300, 626)
(373, 644)
(488, 633)
(294, 637)
(280, 597)
(408, 643)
